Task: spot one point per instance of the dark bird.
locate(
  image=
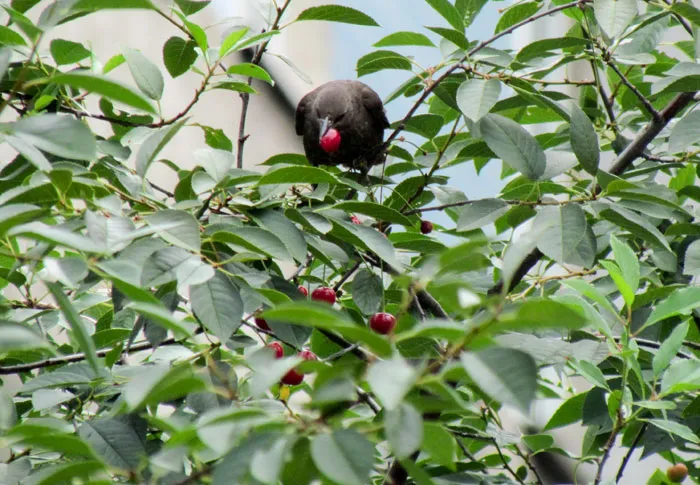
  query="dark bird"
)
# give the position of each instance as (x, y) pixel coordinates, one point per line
(342, 123)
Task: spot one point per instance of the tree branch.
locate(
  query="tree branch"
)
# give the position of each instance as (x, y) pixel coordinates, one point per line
(245, 97)
(627, 457)
(647, 104)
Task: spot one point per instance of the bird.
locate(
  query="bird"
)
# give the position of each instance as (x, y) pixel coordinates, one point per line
(342, 123)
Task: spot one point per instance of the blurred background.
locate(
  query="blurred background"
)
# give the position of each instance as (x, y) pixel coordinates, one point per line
(304, 56)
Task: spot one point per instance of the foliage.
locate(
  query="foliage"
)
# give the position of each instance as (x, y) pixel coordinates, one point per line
(129, 308)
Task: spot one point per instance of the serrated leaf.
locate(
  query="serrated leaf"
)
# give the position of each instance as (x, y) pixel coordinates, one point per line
(251, 70)
(516, 13)
(614, 16)
(345, 456)
(448, 12)
(337, 13)
(476, 97)
(404, 38)
(515, 146)
(103, 87)
(298, 175)
(680, 302)
(146, 74)
(568, 239)
(390, 380)
(176, 227)
(115, 441)
(59, 135)
(506, 375)
(584, 140)
(670, 346)
(378, 211)
(480, 213)
(217, 303)
(367, 291)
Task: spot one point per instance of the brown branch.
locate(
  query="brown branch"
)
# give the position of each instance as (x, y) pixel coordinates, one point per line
(507, 201)
(628, 455)
(607, 448)
(245, 97)
(647, 104)
(67, 359)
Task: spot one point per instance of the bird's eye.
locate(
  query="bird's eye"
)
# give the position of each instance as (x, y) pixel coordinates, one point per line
(340, 117)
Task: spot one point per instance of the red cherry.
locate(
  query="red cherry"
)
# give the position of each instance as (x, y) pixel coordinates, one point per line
(330, 141)
(382, 323)
(307, 355)
(355, 220)
(293, 378)
(261, 323)
(426, 227)
(324, 294)
(279, 350)
(303, 291)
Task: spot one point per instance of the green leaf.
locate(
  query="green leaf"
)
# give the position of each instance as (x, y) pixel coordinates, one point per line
(179, 55)
(568, 239)
(231, 40)
(56, 235)
(688, 11)
(251, 70)
(627, 261)
(543, 47)
(516, 13)
(404, 38)
(540, 314)
(67, 52)
(614, 16)
(146, 74)
(390, 380)
(110, 4)
(591, 373)
(515, 146)
(157, 313)
(159, 383)
(584, 140)
(569, 412)
(217, 303)
(153, 145)
(367, 291)
(377, 211)
(684, 133)
(115, 441)
(266, 465)
(680, 302)
(448, 12)
(476, 97)
(190, 7)
(9, 37)
(669, 348)
(293, 238)
(403, 427)
(337, 13)
(682, 376)
(176, 227)
(480, 213)
(636, 224)
(344, 456)
(258, 240)
(103, 87)
(298, 175)
(368, 238)
(198, 33)
(675, 428)
(59, 135)
(70, 271)
(80, 333)
(379, 60)
(16, 337)
(506, 375)
(691, 264)
(439, 444)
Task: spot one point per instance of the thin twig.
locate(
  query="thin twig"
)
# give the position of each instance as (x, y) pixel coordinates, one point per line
(509, 202)
(627, 457)
(430, 87)
(347, 275)
(607, 448)
(647, 104)
(506, 465)
(245, 97)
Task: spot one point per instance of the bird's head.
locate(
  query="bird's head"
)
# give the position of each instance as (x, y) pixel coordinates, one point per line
(329, 136)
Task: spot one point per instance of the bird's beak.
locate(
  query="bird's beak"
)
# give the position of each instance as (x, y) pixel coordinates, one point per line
(325, 126)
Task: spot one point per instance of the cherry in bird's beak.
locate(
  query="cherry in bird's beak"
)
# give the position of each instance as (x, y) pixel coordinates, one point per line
(329, 138)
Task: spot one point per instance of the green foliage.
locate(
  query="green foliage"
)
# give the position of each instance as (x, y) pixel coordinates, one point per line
(139, 318)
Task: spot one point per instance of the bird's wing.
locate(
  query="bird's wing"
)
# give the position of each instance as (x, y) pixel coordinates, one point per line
(301, 113)
(373, 104)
